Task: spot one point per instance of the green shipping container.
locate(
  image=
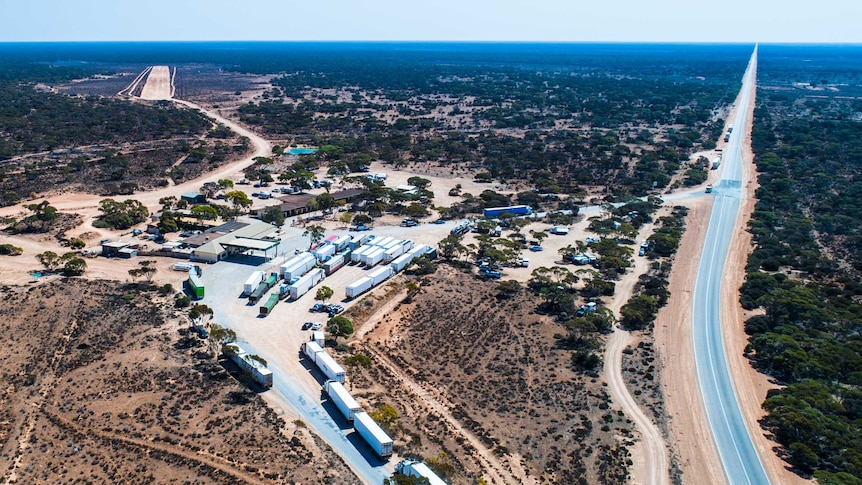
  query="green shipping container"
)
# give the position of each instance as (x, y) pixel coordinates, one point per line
(266, 308)
(196, 286)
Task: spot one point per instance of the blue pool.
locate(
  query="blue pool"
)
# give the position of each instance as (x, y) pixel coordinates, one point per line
(302, 151)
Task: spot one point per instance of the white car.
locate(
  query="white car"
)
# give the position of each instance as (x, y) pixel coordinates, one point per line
(316, 326)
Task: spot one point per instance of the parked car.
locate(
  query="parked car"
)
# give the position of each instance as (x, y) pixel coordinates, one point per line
(307, 325)
(536, 248)
(439, 221)
(316, 326)
(318, 307)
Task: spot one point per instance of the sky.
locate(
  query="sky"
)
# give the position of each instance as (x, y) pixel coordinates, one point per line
(803, 21)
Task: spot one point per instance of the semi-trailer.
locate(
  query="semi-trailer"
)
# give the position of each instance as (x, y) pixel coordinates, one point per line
(329, 367)
(360, 241)
(373, 258)
(401, 262)
(413, 468)
(196, 286)
(311, 349)
(263, 287)
(268, 305)
(376, 438)
(318, 337)
(306, 283)
(250, 365)
(381, 241)
(418, 250)
(380, 275)
(358, 287)
(252, 282)
(298, 266)
(390, 254)
(341, 243)
(324, 252)
(341, 398)
(356, 256)
(334, 263)
(294, 260)
(391, 244)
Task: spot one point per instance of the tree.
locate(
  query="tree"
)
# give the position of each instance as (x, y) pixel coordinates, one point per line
(74, 266)
(346, 218)
(10, 250)
(43, 211)
(508, 289)
(218, 336)
(324, 293)
(273, 215)
(451, 247)
(204, 212)
(314, 234)
(239, 199)
(361, 219)
(298, 178)
(121, 215)
(419, 182)
(200, 315)
(325, 201)
(49, 259)
(77, 244)
(147, 269)
(339, 326)
(225, 184)
(168, 223)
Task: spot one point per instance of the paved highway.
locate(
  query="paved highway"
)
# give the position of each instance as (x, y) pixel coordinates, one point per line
(739, 457)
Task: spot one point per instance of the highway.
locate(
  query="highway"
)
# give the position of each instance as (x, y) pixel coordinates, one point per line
(739, 458)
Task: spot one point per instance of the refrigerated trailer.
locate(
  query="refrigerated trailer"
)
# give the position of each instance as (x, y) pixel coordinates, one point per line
(311, 349)
(298, 266)
(358, 287)
(329, 367)
(376, 438)
(306, 283)
(390, 254)
(334, 264)
(341, 243)
(324, 252)
(342, 399)
(267, 307)
(372, 258)
(380, 275)
(401, 262)
(250, 366)
(251, 283)
(356, 256)
(381, 241)
(413, 468)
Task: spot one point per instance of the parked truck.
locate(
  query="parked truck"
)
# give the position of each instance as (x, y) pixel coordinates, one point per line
(251, 283)
(413, 468)
(371, 432)
(298, 266)
(390, 254)
(358, 287)
(262, 288)
(342, 399)
(358, 242)
(341, 243)
(196, 286)
(356, 256)
(318, 337)
(401, 262)
(306, 283)
(324, 252)
(372, 258)
(380, 275)
(329, 367)
(311, 349)
(268, 305)
(334, 263)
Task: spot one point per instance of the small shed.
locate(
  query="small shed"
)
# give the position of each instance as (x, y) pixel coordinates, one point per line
(194, 198)
(127, 253)
(112, 249)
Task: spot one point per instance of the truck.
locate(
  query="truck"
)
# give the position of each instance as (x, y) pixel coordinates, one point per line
(298, 266)
(401, 262)
(413, 468)
(709, 189)
(318, 337)
(727, 137)
(371, 432)
(380, 275)
(329, 367)
(251, 283)
(418, 250)
(390, 254)
(251, 366)
(334, 263)
(267, 306)
(730, 129)
(311, 349)
(341, 398)
(358, 287)
(559, 230)
(262, 288)
(196, 286)
(341, 243)
(461, 228)
(516, 210)
(373, 258)
(306, 283)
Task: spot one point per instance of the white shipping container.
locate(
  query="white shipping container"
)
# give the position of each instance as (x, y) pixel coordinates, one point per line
(318, 337)
(342, 399)
(324, 252)
(401, 262)
(329, 367)
(376, 438)
(381, 274)
(372, 258)
(311, 349)
(358, 287)
(251, 283)
(412, 468)
(307, 282)
(392, 253)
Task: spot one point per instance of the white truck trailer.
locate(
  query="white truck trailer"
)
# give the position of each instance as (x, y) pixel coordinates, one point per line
(306, 283)
(330, 367)
(311, 349)
(413, 468)
(390, 254)
(318, 337)
(381, 242)
(358, 287)
(250, 366)
(372, 258)
(380, 275)
(251, 283)
(391, 244)
(324, 252)
(356, 256)
(334, 264)
(298, 266)
(401, 262)
(342, 399)
(376, 438)
(341, 243)
(418, 250)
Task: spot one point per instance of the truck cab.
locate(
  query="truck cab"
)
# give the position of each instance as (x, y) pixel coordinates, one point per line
(709, 189)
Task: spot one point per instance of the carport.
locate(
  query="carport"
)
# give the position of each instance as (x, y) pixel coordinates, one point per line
(248, 246)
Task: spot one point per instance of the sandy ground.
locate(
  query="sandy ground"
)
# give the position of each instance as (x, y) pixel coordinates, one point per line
(158, 84)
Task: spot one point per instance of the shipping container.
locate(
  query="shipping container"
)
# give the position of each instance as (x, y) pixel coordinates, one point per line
(196, 286)
(517, 210)
(266, 308)
(311, 349)
(401, 262)
(380, 275)
(373, 258)
(358, 287)
(306, 283)
(413, 468)
(252, 282)
(376, 438)
(329, 366)
(334, 264)
(341, 398)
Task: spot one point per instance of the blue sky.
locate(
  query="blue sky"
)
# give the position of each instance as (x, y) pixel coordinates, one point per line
(469, 20)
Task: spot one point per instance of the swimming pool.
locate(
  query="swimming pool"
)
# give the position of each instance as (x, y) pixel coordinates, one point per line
(302, 151)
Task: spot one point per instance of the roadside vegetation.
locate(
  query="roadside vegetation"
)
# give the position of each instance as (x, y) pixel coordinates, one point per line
(805, 271)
